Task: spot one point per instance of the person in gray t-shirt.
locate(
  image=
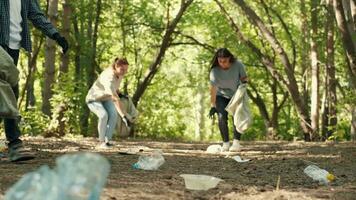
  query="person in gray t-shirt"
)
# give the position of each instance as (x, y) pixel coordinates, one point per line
(226, 74)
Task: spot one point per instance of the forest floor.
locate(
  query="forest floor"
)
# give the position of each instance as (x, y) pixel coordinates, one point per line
(256, 179)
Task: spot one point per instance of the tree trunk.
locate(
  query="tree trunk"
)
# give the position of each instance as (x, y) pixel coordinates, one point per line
(304, 52)
(329, 115)
(154, 66)
(200, 118)
(346, 35)
(122, 26)
(315, 98)
(63, 68)
(93, 35)
(49, 65)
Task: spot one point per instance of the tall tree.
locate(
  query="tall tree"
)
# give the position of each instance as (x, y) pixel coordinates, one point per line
(315, 97)
(63, 68)
(346, 35)
(50, 58)
(304, 51)
(92, 34)
(329, 121)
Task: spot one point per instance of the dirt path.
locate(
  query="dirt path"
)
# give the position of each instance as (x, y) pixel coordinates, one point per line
(252, 180)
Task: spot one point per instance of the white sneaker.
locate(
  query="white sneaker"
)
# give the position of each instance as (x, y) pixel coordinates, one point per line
(225, 146)
(235, 146)
(102, 145)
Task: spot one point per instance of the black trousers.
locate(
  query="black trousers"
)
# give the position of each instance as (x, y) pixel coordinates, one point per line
(12, 130)
(221, 103)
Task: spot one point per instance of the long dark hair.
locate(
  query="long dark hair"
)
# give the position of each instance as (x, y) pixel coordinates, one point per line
(222, 53)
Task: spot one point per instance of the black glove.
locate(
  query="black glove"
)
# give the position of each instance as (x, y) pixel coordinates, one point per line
(61, 41)
(212, 112)
(126, 122)
(122, 95)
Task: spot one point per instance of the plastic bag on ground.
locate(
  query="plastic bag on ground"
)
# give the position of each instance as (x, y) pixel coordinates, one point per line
(215, 148)
(239, 159)
(150, 162)
(320, 175)
(76, 177)
(200, 182)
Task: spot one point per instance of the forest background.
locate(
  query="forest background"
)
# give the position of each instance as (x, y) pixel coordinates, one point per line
(299, 56)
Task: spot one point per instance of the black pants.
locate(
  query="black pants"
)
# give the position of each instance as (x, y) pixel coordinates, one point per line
(12, 130)
(221, 103)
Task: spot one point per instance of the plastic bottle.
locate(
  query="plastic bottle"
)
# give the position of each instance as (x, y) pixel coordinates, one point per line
(41, 184)
(320, 175)
(150, 162)
(82, 176)
(78, 176)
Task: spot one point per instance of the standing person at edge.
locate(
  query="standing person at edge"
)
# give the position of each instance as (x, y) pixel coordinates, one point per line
(14, 34)
(226, 74)
(103, 100)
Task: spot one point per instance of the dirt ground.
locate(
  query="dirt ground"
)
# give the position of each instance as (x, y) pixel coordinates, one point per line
(256, 179)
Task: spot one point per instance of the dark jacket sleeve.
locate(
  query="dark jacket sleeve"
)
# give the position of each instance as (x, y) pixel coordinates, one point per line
(39, 20)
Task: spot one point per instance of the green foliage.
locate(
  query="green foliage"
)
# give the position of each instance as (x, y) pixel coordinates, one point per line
(33, 122)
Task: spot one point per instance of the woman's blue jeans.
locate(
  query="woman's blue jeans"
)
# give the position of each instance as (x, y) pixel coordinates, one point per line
(108, 116)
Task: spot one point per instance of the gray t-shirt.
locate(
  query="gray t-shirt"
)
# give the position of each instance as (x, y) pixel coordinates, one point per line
(227, 81)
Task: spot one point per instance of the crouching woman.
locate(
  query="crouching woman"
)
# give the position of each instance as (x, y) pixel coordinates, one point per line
(103, 101)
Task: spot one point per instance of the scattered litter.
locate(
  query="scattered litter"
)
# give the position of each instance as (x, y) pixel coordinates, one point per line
(215, 148)
(150, 162)
(320, 175)
(240, 160)
(76, 176)
(200, 182)
(130, 151)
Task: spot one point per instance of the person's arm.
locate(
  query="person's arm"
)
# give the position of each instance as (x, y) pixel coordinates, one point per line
(40, 21)
(125, 117)
(242, 75)
(213, 96)
(119, 107)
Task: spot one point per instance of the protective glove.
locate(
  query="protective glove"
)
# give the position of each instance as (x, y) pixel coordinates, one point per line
(121, 95)
(212, 112)
(61, 42)
(127, 122)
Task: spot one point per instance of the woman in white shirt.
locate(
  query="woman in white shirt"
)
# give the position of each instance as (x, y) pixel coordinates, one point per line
(102, 99)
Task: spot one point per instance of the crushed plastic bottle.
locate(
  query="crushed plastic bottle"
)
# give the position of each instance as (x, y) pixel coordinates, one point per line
(82, 176)
(76, 177)
(40, 184)
(320, 175)
(150, 162)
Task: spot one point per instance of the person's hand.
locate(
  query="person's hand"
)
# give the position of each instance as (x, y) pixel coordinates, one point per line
(121, 95)
(61, 42)
(212, 112)
(127, 122)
